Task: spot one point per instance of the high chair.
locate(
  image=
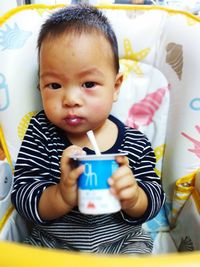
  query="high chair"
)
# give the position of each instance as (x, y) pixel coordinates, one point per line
(159, 57)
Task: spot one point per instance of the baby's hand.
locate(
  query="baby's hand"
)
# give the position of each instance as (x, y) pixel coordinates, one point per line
(69, 175)
(73, 151)
(124, 185)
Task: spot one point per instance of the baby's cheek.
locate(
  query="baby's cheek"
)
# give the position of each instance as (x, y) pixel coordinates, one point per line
(99, 108)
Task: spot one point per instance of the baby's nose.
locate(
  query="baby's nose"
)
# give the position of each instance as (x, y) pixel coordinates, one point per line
(72, 97)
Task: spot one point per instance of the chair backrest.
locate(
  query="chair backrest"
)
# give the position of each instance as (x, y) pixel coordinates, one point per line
(159, 55)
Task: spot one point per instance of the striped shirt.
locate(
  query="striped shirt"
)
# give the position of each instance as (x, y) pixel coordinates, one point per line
(38, 166)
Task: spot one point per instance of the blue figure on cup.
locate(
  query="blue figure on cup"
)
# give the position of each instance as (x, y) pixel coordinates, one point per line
(91, 176)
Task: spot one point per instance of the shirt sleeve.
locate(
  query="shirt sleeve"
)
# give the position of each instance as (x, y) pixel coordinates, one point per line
(148, 180)
(31, 175)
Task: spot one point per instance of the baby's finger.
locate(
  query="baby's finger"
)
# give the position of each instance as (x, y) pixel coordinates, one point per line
(73, 151)
(122, 160)
(74, 175)
(121, 172)
(123, 182)
(67, 157)
(127, 193)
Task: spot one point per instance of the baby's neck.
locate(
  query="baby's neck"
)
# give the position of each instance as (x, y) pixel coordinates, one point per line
(105, 135)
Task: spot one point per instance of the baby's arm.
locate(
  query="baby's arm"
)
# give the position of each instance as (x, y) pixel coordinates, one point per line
(61, 198)
(37, 170)
(142, 195)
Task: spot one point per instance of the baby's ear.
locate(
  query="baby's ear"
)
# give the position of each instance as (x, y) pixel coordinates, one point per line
(118, 83)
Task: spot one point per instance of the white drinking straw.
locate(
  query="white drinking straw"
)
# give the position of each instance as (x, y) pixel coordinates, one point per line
(92, 139)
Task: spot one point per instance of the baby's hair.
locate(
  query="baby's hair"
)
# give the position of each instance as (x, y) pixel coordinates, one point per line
(79, 19)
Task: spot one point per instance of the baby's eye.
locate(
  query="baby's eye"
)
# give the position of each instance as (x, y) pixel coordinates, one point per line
(54, 86)
(89, 84)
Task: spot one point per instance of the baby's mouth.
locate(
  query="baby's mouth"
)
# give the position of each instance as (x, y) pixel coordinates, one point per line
(73, 120)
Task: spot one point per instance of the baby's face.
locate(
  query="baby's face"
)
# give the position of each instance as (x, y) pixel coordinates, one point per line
(78, 81)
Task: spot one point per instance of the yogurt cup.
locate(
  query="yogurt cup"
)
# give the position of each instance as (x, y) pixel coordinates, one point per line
(94, 196)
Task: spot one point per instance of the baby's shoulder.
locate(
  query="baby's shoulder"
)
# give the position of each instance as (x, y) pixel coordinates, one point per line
(134, 134)
(40, 119)
(40, 123)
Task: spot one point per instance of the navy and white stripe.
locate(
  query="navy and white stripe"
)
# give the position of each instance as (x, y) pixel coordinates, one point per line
(37, 168)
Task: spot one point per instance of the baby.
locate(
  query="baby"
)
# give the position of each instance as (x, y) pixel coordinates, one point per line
(79, 80)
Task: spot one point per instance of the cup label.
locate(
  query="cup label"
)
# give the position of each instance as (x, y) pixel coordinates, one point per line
(94, 196)
(96, 174)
